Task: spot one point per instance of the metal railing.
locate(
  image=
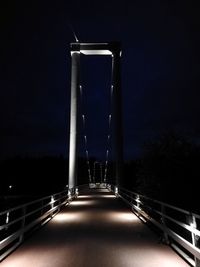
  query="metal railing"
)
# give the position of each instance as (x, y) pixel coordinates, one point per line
(17, 222)
(179, 227)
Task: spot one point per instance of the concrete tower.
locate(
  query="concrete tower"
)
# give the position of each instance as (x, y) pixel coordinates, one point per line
(105, 49)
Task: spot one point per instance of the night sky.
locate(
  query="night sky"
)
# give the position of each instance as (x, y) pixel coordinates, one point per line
(160, 73)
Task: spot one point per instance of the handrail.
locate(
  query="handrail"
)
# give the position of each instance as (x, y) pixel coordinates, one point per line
(175, 223)
(17, 221)
(30, 203)
(179, 226)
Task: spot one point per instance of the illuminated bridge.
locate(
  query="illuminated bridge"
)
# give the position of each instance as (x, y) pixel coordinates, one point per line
(99, 224)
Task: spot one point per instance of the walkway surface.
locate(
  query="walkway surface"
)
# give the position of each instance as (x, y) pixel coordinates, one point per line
(95, 230)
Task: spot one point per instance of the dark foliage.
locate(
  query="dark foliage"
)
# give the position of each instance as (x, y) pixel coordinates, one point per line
(33, 176)
(41, 176)
(170, 170)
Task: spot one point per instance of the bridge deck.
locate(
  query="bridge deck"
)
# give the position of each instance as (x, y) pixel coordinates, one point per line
(97, 230)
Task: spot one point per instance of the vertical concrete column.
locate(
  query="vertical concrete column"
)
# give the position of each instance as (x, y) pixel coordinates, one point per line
(75, 69)
(117, 114)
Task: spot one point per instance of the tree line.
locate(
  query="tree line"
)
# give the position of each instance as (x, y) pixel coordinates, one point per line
(168, 170)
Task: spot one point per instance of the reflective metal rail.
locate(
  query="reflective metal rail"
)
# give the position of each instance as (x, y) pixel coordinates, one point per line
(17, 222)
(179, 227)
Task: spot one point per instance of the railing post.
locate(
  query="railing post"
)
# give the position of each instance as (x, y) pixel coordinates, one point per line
(138, 201)
(71, 193)
(52, 202)
(195, 238)
(116, 191)
(52, 205)
(163, 220)
(23, 224)
(76, 192)
(7, 219)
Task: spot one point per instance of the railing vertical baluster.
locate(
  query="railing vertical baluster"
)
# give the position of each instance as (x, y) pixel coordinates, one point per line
(27, 219)
(195, 238)
(165, 235)
(22, 224)
(159, 214)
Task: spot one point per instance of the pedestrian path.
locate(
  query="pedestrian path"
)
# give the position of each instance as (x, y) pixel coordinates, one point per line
(95, 230)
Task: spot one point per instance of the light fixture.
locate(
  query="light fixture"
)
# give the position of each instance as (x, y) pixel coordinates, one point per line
(116, 190)
(52, 201)
(76, 191)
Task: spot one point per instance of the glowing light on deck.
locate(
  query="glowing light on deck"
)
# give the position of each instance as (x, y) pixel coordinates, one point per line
(108, 196)
(81, 202)
(84, 196)
(68, 217)
(124, 217)
(96, 196)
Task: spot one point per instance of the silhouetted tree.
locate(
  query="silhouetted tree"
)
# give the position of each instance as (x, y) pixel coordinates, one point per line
(169, 169)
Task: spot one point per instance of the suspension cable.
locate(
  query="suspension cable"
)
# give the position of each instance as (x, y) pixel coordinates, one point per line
(107, 148)
(85, 136)
(85, 139)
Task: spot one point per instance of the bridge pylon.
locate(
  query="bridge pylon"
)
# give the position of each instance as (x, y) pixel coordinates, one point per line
(112, 49)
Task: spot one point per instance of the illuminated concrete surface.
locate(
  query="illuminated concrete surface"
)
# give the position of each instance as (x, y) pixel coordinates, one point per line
(95, 230)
